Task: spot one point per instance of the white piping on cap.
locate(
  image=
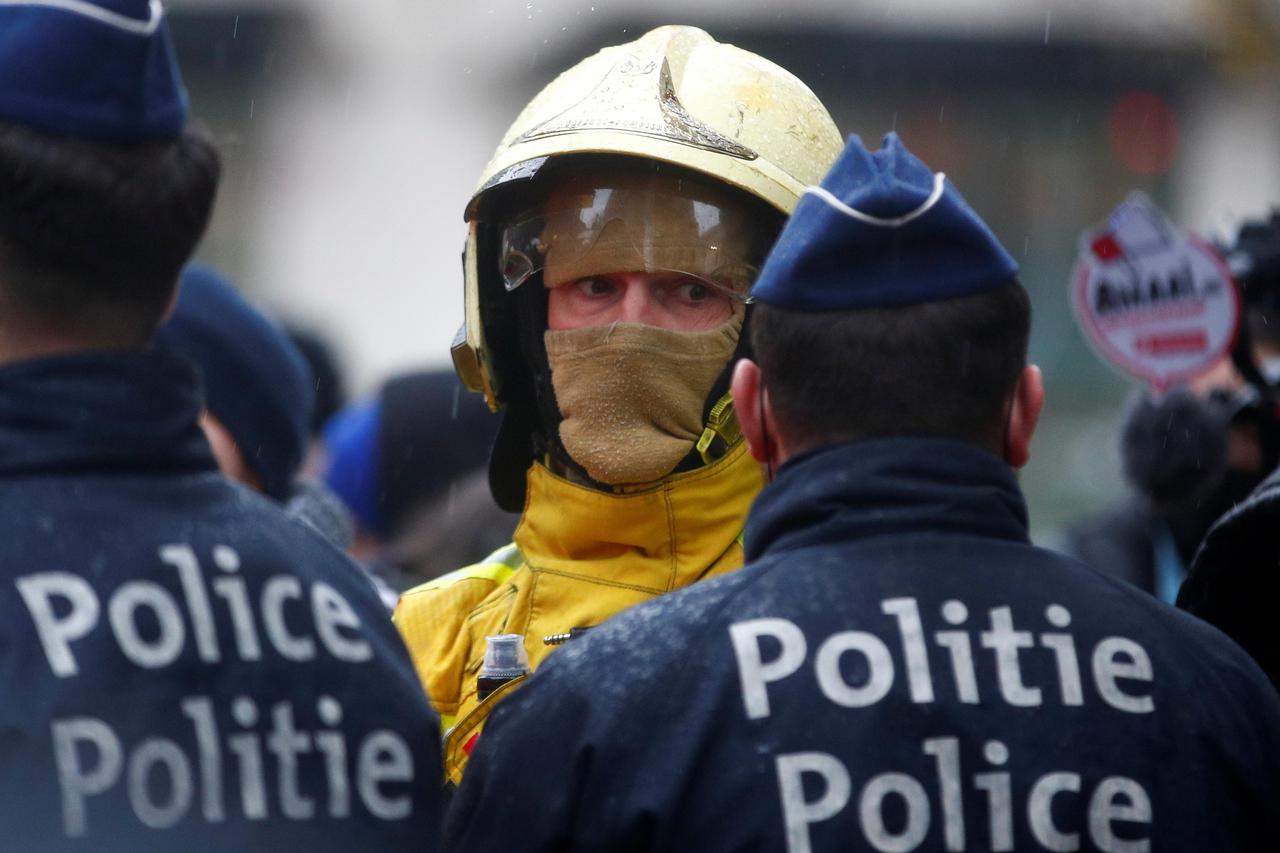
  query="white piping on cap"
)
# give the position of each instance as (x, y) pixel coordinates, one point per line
(101, 15)
(939, 186)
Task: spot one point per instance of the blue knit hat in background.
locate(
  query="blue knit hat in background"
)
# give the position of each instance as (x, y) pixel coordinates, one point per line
(392, 456)
(100, 69)
(255, 380)
(351, 438)
(882, 231)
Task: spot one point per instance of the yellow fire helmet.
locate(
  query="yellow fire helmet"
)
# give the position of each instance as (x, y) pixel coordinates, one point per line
(673, 102)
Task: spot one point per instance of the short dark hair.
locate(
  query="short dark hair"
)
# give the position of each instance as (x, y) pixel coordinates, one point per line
(94, 234)
(942, 369)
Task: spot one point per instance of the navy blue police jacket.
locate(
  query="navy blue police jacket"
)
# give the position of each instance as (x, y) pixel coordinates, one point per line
(897, 668)
(182, 667)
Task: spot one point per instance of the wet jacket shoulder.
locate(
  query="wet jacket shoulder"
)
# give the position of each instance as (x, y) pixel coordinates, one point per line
(433, 617)
(184, 666)
(897, 643)
(1234, 580)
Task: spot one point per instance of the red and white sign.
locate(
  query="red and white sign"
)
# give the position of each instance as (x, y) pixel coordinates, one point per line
(1155, 302)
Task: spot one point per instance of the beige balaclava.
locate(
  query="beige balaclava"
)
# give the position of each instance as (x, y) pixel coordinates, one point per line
(632, 396)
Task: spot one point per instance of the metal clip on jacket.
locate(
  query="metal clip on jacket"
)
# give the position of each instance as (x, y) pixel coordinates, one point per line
(722, 423)
(561, 639)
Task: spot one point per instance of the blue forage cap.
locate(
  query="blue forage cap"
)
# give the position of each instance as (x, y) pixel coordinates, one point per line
(98, 69)
(882, 231)
(256, 382)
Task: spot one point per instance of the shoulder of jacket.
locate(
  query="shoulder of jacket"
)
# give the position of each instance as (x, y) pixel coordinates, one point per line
(492, 571)
(431, 620)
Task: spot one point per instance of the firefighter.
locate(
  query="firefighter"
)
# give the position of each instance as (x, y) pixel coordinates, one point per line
(612, 242)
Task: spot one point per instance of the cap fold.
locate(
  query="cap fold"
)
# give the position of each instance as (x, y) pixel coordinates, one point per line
(882, 230)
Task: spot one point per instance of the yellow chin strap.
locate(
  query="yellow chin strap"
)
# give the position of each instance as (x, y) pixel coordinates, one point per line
(722, 423)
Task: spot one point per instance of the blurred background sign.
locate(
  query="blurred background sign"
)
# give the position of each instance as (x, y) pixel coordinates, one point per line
(1156, 303)
(353, 132)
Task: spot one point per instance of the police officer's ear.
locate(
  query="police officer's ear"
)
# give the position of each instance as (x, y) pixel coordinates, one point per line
(1024, 414)
(755, 415)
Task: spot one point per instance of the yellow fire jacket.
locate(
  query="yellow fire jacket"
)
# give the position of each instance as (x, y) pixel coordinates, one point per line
(579, 557)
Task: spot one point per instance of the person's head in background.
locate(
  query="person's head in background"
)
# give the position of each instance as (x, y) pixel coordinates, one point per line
(1195, 452)
(326, 369)
(1254, 260)
(409, 465)
(323, 357)
(258, 388)
(104, 190)
(926, 336)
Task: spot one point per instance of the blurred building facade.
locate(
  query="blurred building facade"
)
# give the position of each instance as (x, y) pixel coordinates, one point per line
(353, 132)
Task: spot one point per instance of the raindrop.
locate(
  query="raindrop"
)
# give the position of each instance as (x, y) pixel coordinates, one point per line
(251, 104)
(1048, 22)
(235, 28)
(942, 109)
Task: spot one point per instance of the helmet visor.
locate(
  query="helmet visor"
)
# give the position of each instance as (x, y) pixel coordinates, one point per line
(700, 247)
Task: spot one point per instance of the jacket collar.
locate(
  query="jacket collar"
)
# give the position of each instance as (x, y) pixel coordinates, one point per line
(658, 539)
(88, 413)
(888, 485)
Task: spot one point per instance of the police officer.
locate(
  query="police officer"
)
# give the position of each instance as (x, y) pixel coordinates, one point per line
(612, 242)
(183, 668)
(897, 668)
